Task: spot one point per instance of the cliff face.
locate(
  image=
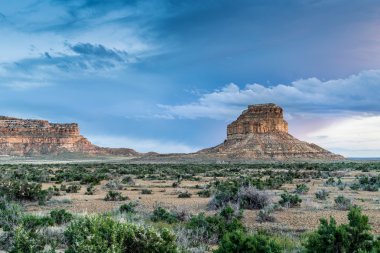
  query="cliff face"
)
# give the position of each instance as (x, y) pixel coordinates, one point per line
(261, 133)
(21, 137)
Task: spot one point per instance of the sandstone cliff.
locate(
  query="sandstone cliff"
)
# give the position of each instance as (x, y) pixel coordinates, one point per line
(261, 133)
(19, 137)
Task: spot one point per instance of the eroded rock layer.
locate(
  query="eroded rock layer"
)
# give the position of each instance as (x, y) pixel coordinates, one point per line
(261, 132)
(19, 137)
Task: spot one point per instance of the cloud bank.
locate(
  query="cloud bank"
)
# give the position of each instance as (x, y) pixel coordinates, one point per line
(355, 94)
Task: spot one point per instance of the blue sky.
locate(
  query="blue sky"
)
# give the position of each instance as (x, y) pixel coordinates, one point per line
(169, 75)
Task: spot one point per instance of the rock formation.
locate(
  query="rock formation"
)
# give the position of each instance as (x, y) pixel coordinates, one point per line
(261, 133)
(19, 137)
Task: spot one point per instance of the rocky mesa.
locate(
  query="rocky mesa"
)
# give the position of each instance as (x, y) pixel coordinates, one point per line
(261, 133)
(27, 137)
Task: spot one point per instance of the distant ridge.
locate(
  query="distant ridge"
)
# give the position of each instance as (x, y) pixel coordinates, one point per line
(28, 137)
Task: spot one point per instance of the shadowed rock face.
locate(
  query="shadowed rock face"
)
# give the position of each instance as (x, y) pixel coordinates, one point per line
(261, 132)
(19, 137)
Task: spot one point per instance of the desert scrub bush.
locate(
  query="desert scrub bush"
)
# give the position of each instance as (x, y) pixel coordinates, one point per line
(23, 190)
(161, 214)
(342, 203)
(239, 241)
(290, 200)
(146, 191)
(10, 214)
(61, 216)
(104, 234)
(330, 182)
(251, 198)
(206, 193)
(72, 188)
(322, 194)
(266, 214)
(352, 237)
(185, 194)
(114, 185)
(90, 190)
(33, 222)
(301, 189)
(115, 196)
(128, 180)
(227, 220)
(26, 240)
(128, 208)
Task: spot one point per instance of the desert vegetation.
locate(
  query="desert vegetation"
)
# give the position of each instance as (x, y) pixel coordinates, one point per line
(271, 207)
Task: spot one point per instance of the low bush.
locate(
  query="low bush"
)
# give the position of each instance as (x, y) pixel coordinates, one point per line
(32, 222)
(161, 214)
(114, 185)
(90, 190)
(128, 208)
(352, 237)
(238, 241)
(265, 214)
(322, 194)
(24, 191)
(115, 196)
(73, 188)
(104, 234)
(251, 198)
(128, 180)
(290, 200)
(146, 191)
(206, 193)
(301, 189)
(61, 216)
(185, 194)
(343, 203)
(227, 220)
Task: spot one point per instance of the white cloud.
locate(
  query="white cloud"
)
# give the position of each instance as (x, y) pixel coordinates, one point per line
(352, 137)
(357, 93)
(142, 145)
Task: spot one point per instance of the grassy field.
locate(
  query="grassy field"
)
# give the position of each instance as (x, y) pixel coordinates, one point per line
(198, 204)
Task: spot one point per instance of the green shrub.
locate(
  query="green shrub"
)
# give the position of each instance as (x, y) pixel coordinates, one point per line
(115, 196)
(161, 214)
(342, 202)
(301, 189)
(27, 241)
(61, 216)
(104, 234)
(184, 195)
(290, 200)
(32, 222)
(227, 220)
(128, 208)
(204, 193)
(10, 214)
(251, 198)
(352, 237)
(146, 191)
(73, 188)
(238, 241)
(265, 214)
(90, 190)
(23, 190)
(322, 194)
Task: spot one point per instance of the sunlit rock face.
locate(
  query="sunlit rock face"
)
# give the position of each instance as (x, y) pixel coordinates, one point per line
(26, 137)
(263, 118)
(261, 133)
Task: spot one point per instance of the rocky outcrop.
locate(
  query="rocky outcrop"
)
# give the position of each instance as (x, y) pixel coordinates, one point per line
(261, 133)
(19, 137)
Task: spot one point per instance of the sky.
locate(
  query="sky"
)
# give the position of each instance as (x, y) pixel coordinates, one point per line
(169, 75)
